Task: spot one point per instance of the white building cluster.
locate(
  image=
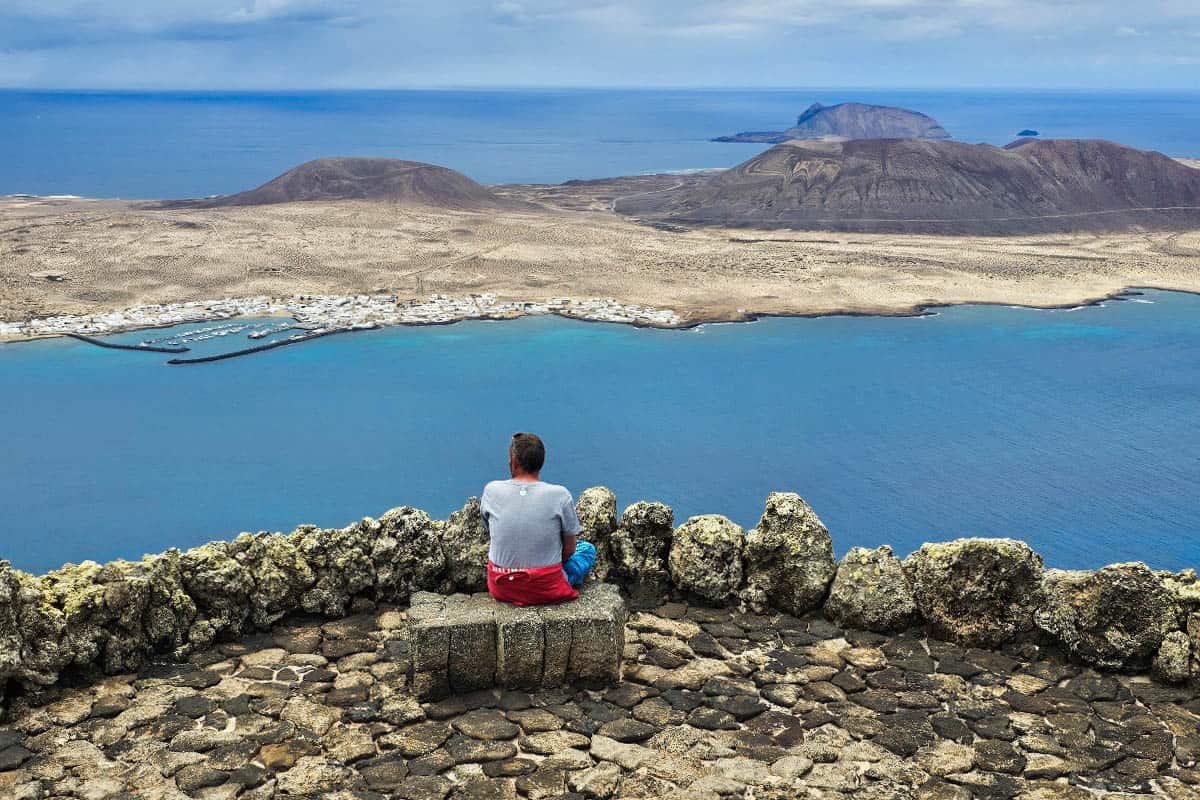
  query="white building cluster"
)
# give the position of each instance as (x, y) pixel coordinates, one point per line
(339, 312)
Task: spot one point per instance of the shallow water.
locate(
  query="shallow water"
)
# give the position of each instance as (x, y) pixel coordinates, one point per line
(1077, 431)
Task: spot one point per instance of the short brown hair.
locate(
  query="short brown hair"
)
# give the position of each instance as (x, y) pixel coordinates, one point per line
(529, 451)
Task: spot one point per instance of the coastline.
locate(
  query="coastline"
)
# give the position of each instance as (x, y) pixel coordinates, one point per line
(335, 313)
(317, 324)
(564, 252)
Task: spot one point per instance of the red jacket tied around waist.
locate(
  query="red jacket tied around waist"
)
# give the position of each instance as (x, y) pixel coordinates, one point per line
(530, 587)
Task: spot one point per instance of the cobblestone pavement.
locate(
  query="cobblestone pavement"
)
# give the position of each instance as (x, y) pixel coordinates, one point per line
(715, 704)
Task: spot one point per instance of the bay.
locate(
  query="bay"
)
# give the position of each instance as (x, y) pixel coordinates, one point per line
(1075, 430)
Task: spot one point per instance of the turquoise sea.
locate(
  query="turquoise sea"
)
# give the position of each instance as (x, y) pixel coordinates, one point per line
(1076, 430)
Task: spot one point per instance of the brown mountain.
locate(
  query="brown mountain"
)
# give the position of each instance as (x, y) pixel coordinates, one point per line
(388, 179)
(937, 187)
(850, 121)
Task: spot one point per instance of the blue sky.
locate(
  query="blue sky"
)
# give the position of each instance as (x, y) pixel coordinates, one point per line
(266, 44)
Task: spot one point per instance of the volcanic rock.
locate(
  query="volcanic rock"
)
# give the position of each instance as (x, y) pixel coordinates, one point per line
(788, 557)
(408, 553)
(465, 544)
(1172, 663)
(597, 512)
(1113, 618)
(977, 592)
(871, 592)
(706, 557)
(639, 547)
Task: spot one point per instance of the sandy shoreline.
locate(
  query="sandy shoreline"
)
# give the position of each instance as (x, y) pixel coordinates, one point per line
(694, 322)
(114, 255)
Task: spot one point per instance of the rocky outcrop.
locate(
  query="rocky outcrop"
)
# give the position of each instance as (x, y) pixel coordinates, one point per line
(1172, 663)
(597, 512)
(973, 592)
(850, 121)
(871, 592)
(789, 561)
(465, 546)
(410, 551)
(341, 562)
(1115, 617)
(980, 592)
(706, 557)
(639, 547)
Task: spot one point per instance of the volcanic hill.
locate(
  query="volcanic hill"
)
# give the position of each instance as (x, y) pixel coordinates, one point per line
(386, 179)
(850, 121)
(921, 186)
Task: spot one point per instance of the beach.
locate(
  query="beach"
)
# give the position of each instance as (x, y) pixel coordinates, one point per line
(72, 256)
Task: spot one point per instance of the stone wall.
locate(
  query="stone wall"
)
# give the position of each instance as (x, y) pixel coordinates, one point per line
(975, 592)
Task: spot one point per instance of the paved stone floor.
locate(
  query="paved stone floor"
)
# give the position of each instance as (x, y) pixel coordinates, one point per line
(714, 705)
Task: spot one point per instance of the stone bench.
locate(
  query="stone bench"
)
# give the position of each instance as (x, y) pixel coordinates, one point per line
(462, 642)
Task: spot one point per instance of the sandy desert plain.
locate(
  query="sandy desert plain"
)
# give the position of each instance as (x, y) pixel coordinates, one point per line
(78, 256)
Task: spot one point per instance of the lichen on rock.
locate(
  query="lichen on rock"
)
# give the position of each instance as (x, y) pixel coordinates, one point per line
(639, 547)
(1172, 663)
(1113, 618)
(871, 592)
(341, 562)
(281, 576)
(220, 587)
(1185, 587)
(31, 630)
(978, 592)
(597, 512)
(788, 557)
(706, 557)
(408, 554)
(465, 547)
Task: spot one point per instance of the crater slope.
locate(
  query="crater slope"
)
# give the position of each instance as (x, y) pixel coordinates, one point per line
(386, 179)
(921, 186)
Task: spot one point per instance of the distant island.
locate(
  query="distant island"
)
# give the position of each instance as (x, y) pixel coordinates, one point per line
(850, 121)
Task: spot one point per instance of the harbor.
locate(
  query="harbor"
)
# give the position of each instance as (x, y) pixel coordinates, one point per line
(144, 347)
(323, 312)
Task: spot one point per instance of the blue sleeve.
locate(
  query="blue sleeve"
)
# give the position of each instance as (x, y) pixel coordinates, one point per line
(570, 520)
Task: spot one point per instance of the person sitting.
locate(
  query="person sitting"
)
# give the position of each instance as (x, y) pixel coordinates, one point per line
(535, 557)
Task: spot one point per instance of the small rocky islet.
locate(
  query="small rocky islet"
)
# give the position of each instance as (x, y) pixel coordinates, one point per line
(755, 666)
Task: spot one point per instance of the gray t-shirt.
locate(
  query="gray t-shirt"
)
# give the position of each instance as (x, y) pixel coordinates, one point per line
(527, 522)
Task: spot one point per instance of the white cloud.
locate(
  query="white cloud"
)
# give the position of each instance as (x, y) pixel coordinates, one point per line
(598, 42)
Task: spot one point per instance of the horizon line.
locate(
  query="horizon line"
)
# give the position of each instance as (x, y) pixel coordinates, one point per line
(594, 87)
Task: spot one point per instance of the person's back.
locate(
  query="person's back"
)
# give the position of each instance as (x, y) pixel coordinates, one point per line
(534, 557)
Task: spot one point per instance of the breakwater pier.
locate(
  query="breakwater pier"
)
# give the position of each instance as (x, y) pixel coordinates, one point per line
(296, 339)
(141, 347)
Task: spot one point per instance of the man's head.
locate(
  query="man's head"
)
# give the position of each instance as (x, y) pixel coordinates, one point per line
(526, 454)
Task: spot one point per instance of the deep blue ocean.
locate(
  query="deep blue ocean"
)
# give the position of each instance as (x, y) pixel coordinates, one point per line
(187, 144)
(1078, 431)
